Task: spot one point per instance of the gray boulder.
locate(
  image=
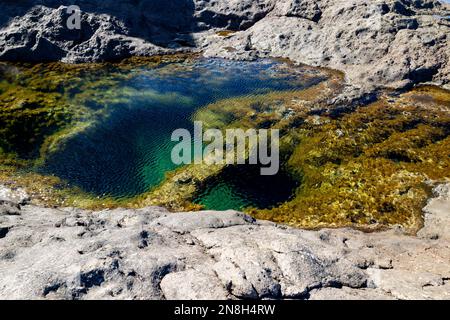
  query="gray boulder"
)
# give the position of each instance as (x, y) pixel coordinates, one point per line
(42, 35)
(37, 30)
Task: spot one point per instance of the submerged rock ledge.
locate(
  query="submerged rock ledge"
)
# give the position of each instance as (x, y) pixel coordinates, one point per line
(150, 253)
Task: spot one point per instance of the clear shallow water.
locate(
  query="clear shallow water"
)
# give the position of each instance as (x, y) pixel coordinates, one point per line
(243, 187)
(127, 152)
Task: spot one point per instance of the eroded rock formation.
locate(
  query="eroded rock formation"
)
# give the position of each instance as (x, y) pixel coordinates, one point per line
(153, 254)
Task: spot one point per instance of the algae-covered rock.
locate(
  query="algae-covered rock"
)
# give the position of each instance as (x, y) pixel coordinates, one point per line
(369, 167)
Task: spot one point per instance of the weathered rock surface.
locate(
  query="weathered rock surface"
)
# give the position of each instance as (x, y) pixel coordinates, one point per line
(153, 254)
(378, 43)
(37, 30)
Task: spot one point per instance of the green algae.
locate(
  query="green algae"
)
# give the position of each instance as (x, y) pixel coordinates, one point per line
(225, 33)
(43, 105)
(368, 168)
(37, 101)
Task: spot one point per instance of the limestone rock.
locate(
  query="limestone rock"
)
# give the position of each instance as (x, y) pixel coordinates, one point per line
(377, 43)
(18, 196)
(150, 253)
(436, 214)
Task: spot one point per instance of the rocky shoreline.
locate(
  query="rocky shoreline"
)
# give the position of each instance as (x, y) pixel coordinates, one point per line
(149, 253)
(378, 44)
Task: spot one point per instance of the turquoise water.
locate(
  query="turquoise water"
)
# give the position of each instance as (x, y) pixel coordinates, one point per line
(127, 152)
(243, 187)
(442, 17)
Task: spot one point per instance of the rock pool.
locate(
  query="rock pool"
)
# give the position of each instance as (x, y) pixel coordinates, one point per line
(99, 136)
(126, 151)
